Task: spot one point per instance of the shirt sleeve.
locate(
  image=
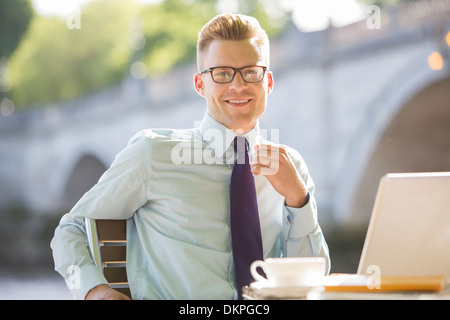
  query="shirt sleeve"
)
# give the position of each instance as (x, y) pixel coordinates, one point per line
(302, 234)
(120, 192)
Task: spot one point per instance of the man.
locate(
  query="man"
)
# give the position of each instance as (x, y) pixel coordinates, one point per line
(173, 186)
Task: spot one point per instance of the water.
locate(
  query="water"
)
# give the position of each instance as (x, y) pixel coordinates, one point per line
(43, 286)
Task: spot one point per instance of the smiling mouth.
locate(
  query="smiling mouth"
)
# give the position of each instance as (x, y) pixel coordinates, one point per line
(240, 102)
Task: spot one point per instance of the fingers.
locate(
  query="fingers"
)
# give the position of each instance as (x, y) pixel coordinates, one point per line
(275, 164)
(105, 292)
(267, 159)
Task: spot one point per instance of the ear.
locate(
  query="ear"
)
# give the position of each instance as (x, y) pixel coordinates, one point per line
(199, 84)
(270, 82)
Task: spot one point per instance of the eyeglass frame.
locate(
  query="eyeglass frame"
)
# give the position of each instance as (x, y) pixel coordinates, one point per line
(234, 75)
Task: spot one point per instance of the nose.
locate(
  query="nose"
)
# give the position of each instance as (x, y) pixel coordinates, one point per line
(238, 82)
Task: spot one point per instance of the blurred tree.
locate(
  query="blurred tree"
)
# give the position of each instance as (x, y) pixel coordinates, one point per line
(171, 30)
(55, 62)
(15, 17)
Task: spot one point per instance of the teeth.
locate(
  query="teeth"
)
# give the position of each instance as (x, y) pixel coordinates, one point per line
(238, 101)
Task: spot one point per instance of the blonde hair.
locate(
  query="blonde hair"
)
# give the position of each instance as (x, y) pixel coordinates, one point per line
(235, 27)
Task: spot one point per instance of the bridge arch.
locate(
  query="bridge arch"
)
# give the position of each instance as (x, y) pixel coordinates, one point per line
(83, 176)
(77, 170)
(408, 87)
(417, 139)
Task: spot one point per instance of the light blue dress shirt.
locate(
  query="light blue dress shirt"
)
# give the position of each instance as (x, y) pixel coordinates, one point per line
(173, 187)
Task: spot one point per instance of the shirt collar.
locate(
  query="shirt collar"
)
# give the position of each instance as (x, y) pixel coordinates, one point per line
(219, 137)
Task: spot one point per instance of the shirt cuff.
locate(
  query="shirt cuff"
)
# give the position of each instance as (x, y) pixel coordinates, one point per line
(82, 280)
(302, 221)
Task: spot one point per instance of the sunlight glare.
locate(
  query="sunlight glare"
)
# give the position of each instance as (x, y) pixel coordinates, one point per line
(317, 15)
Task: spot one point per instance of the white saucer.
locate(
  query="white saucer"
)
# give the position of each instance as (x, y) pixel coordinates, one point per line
(268, 290)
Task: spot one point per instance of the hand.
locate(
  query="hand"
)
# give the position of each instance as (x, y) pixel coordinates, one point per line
(105, 292)
(275, 164)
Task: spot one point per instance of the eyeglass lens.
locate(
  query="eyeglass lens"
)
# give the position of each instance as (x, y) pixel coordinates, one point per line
(249, 74)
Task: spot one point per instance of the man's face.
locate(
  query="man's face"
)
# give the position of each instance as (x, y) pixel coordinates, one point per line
(238, 104)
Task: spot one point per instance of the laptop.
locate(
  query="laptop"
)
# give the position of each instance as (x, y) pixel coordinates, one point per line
(409, 230)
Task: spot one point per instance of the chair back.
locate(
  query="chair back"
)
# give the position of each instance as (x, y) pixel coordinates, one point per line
(107, 242)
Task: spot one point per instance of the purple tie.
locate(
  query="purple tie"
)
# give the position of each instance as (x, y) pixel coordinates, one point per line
(244, 217)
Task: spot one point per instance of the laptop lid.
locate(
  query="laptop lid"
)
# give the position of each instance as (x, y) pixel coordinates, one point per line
(409, 230)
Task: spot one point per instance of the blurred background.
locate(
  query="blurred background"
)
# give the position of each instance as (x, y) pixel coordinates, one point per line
(362, 88)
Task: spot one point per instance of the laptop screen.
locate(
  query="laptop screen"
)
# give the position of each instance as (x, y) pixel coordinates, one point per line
(409, 230)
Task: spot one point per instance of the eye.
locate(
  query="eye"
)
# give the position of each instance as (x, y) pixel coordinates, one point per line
(251, 72)
(223, 74)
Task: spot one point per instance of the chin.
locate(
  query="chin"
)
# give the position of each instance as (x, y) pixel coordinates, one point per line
(243, 123)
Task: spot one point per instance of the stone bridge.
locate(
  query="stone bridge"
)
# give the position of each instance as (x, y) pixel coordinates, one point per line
(356, 101)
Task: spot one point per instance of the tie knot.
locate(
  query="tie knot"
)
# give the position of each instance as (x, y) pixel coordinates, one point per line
(240, 145)
(241, 148)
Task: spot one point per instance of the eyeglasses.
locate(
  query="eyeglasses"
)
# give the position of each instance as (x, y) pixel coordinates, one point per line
(226, 74)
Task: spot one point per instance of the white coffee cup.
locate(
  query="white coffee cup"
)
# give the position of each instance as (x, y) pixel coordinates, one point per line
(290, 272)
